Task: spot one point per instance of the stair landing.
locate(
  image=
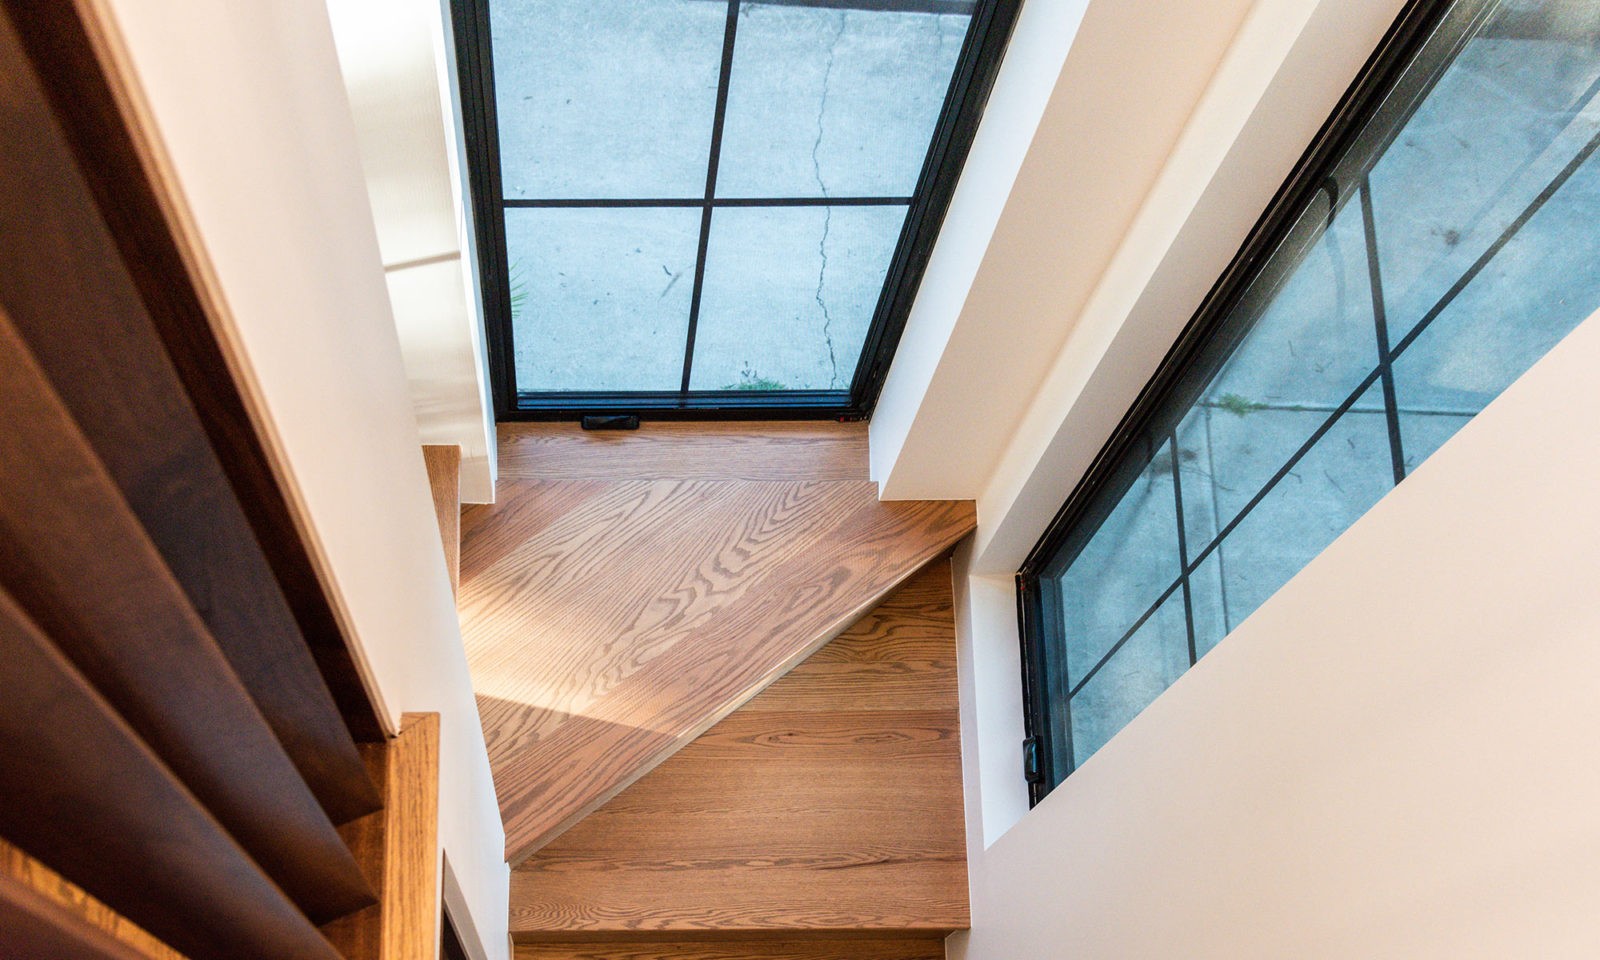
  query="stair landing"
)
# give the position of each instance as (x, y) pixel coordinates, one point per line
(828, 806)
(629, 590)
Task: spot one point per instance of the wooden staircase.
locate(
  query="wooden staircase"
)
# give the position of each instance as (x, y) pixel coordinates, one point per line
(191, 765)
(822, 819)
(630, 590)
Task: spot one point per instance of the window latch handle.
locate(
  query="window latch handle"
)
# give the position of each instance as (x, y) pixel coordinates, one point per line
(1030, 760)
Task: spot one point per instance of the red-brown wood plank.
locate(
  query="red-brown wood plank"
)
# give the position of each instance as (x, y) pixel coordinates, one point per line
(134, 320)
(610, 621)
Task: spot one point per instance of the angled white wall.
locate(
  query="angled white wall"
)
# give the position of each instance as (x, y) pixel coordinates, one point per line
(1281, 76)
(1278, 82)
(1393, 757)
(249, 103)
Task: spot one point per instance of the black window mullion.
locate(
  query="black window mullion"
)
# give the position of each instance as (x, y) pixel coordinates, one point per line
(1183, 546)
(989, 26)
(729, 34)
(1283, 471)
(1380, 321)
(694, 298)
(471, 26)
(1433, 313)
(1191, 565)
(1335, 415)
(1059, 752)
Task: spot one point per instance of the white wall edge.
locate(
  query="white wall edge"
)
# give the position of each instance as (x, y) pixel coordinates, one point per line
(1001, 295)
(988, 668)
(397, 63)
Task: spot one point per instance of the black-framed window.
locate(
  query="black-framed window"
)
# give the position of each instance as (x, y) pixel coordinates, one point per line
(1442, 235)
(712, 207)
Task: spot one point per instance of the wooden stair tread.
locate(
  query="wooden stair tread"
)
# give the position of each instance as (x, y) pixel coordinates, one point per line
(610, 621)
(801, 813)
(815, 949)
(779, 450)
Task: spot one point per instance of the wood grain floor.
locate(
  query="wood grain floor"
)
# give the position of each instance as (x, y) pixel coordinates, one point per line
(780, 450)
(830, 803)
(874, 949)
(624, 594)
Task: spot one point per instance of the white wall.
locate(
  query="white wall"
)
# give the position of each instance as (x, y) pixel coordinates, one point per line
(249, 102)
(989, 665)
(401, 82)
(1044, 31)
(1393, 757)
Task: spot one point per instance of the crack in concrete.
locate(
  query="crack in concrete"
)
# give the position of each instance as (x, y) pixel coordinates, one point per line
(827, 211)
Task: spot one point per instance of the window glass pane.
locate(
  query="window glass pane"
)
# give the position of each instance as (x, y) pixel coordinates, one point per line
(789, 294)
(1314, 343)
(1514, 107)
(605, 98)
(1155, 656)
(1468, 209)
(827, 101)
(1540, 285)
(1124, 568)
(1338, 480)
(600, 297)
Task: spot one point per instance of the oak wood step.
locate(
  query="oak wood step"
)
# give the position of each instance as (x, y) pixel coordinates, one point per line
(627, 592)
(829, 805)
(786, 949)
